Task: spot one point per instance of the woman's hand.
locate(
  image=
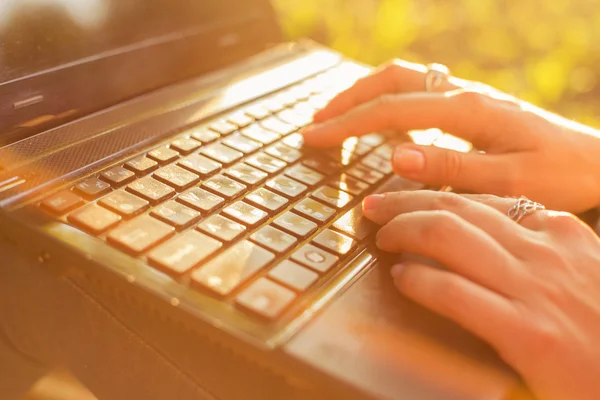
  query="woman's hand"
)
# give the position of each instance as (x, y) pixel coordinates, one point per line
(529, 151)
(532, 290)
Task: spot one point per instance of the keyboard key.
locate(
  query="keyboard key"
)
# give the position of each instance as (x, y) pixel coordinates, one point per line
(265, 162)
(257, 111)
(246, 174)
(200, 165)
(291, 117)
(305, 109)
(176, 214)
(315, 258)
(335, 242)
(286, 186)
(139, 234)
(322, 165)
(221, 153)
(224, 186)
(62, 202)
(92, 188)
(222, 228)
(205, 135)
(341, 157)
(278, 126)
(293, 275)
(151, 190)
(176, 177)
(315, 210)
(319, 101)
(117, 176)
(163, 155)
(124, 203)
(295, 224)
(332, 196)
(284, 153)
(385, 151)
(378, 164)
(364, 174)
(240, 118)
(265, 298)
(141, 165)
(349, 185)
(201, 200)
(300, 92)
(273, 239)
(233, 267)
(372, 139)
(354, 224)
(352, 146)
(94, 219)
(245, 213)
(223, 127)
(185, 145)
(183, 252)
(255, 132)
(286, 98)
(295, 141)
(267, 200)
(242, 143)
(273, 105)
(305, 175)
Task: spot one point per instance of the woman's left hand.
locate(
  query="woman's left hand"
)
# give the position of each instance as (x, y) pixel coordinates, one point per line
(532, 290)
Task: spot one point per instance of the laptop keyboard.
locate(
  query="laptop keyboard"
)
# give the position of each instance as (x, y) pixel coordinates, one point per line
(238, 208)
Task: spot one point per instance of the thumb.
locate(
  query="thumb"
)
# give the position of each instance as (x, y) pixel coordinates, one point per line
(476, 172)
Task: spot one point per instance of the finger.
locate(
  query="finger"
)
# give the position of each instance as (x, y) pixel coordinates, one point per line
(486, 314)
(482, 173)
(456, 244)
(470, 115)
(395, 77)
(490, 217)
(539, 220)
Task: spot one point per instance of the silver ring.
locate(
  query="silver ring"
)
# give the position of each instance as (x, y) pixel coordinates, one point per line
(522, 208)
(436, 75)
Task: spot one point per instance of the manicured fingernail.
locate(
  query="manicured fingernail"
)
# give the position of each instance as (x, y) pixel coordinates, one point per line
(409, 160)
(372, 202)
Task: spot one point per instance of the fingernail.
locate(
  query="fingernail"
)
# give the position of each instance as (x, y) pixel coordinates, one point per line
(397, 270)
(372, 202)
(409, 160)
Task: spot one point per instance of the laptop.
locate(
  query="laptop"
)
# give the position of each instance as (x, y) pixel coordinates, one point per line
(150, 150)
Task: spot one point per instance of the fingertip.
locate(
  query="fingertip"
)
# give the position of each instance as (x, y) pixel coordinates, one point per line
(371, 204)
(311, 134)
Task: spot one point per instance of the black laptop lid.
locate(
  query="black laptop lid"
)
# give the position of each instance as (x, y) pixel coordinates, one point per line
(60, 59)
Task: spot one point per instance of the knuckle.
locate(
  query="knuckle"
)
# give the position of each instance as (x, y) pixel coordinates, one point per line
(384, 109)
(544, 339)
(561, 222)
(385, 101)
(453, 164)
(447, 201)
(473, 102)
(394, 67)
(441, 226)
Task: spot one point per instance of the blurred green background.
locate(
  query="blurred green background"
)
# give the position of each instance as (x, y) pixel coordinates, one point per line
(545, 51)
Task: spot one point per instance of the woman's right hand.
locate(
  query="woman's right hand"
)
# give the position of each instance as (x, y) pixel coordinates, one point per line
(529, 151)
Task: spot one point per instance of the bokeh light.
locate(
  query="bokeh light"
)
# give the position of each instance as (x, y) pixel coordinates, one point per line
(545, 51)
